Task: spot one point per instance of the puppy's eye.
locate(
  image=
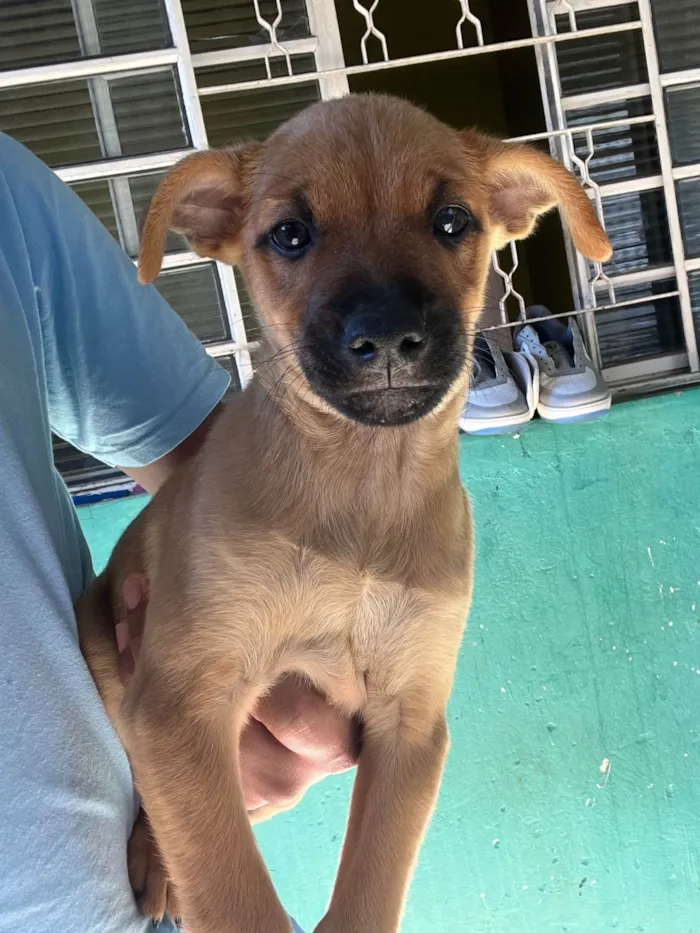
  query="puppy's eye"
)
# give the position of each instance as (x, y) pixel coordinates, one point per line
(452, 222)
(290, 238)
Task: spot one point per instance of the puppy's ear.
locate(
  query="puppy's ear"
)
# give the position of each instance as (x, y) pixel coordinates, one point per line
(202, 199)
(523, 184)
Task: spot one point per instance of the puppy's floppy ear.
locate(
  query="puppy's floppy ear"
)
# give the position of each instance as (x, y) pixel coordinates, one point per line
(523, 184)
(202, 199)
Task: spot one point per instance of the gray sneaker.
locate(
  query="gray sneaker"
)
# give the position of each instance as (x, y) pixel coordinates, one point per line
(570, 387)
(502, 392)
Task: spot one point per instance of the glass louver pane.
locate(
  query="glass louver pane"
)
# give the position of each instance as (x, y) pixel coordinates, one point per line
(226, 24)
(239, 72)
(43, 32)
(694, 284)
(637, 225)
(688, 194)
(677, 27)
(620, 152)
(651, 328)
(59, 122)
(98, 197)
(254, 114)
(55, 121)
(196, 296)
(683, 119)
(602, 62)
(148, 113)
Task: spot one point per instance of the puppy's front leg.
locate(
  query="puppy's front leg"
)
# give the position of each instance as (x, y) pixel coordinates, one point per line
(182, 737)
(399, 771)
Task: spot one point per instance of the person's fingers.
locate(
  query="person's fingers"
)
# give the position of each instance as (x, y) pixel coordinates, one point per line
(301, 719)
(126, 658)
(293, 739)
(132, 590)
(129, 630)
(270, 772)
(135, 596)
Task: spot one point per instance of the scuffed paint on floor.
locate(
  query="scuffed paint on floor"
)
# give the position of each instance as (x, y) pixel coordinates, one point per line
(571, 802)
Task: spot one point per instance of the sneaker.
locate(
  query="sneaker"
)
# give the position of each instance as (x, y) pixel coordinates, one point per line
(570, 387)
(502, 392)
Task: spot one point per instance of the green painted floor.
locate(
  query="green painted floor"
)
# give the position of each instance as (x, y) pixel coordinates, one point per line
(582, 653)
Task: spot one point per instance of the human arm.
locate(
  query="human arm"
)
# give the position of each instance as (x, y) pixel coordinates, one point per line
(152, 476)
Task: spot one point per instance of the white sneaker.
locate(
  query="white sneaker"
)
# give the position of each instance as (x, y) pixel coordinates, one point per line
(502, 392)
(570, 387)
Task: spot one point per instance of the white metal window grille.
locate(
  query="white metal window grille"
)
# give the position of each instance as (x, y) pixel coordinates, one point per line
(111, 95)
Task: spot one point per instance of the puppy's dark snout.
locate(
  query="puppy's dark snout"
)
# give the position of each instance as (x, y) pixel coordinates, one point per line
(383, 353)
(384, 326)
(372, 339)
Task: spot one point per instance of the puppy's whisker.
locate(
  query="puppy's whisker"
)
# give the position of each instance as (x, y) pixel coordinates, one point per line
(286, 350)
(270, 397)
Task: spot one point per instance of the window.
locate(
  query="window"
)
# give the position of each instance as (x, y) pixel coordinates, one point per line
(111, 95)
(645, 172)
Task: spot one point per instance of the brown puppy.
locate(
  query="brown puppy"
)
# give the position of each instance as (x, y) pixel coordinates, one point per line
(322, 530)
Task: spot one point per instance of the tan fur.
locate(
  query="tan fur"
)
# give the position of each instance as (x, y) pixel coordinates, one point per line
(298, 541)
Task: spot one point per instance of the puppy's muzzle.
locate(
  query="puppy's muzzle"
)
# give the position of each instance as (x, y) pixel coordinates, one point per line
(383, 354)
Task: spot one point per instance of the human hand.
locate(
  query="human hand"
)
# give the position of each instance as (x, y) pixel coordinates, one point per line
(292, 740)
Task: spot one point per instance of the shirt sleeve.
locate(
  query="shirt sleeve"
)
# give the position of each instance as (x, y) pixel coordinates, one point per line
(126, 380)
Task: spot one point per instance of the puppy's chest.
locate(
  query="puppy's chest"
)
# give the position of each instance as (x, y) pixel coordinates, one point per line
(372, 598)
(346, 616)
(368, 604)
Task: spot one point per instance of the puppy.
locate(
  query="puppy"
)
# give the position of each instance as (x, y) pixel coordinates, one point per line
(322, 530)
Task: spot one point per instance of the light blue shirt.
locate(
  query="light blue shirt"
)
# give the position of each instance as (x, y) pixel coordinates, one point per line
(105, 363)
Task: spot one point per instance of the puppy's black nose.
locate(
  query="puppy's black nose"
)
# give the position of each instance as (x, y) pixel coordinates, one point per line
(379, 340)
(384, 326)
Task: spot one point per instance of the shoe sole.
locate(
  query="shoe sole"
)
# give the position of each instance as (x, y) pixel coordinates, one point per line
(505, 426)
(576, 414)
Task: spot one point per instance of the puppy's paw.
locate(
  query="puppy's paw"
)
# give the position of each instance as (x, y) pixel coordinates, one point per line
(148, 876)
